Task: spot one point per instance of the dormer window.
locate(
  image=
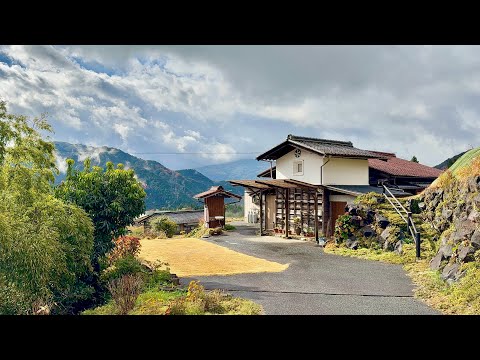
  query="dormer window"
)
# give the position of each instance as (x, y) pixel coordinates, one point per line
(298, 167)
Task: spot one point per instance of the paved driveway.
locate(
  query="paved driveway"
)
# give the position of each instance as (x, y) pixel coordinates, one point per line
(315, 282)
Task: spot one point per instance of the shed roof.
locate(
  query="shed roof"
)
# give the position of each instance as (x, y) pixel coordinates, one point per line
(323, 147)
(401, 167)
(266, 173)
(216, 191)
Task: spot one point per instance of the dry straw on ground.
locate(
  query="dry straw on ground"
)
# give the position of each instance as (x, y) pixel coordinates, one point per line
(194, 257)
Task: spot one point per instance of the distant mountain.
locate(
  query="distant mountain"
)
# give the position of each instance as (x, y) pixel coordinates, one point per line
(165, 188)
(238, 170)
(449, 162)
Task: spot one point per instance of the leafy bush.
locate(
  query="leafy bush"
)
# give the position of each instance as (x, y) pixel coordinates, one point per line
(124, 245)
(343, 228)
(229, 227)
(125, 291)
(166, 225)
(127, 265)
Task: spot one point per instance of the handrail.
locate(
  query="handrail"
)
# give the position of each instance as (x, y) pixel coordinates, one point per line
(398, 202)
(409, 220)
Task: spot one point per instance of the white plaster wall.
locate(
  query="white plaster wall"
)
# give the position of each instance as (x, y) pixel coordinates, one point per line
(248, 205)
(311, 167)
(347, 198)
(339, 171)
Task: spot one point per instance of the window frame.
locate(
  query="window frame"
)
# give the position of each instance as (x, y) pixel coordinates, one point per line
(295, 168)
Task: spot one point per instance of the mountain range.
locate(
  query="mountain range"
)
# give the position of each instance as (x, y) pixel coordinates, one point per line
(238, 170)
(449, 162)
(165, 188)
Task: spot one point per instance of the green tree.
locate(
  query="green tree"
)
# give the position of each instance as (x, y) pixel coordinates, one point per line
(166, 225)
(112, 198)
(414, 159)
(45, 244)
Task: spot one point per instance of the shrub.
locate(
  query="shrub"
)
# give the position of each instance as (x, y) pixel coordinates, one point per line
(343, 228)
(199, 231)
(166, 225)
(215, 231)
(229, 227)
(125, 291)
(128, 265)
(124, 245)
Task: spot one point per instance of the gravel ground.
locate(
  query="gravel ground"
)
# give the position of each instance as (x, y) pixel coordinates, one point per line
(315, 282)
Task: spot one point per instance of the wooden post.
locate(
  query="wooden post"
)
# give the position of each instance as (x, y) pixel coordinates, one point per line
(316, 215)
(287, 212)
(261, 212)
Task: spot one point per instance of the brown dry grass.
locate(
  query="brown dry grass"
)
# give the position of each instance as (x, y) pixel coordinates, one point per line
(194, 257)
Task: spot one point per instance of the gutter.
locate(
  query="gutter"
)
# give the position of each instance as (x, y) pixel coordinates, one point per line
(321, 168)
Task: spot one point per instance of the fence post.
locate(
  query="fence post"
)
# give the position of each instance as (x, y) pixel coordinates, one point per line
(417, 245)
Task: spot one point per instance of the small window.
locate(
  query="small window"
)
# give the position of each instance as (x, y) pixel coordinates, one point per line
(298, 168)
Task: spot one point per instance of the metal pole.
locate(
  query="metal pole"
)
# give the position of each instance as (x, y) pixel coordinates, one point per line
(417, 245)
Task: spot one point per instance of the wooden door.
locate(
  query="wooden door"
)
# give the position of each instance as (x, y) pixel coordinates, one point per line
(270, 212)
(338, 209)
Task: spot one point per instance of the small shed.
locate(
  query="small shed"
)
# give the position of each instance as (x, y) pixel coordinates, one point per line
(214, 205)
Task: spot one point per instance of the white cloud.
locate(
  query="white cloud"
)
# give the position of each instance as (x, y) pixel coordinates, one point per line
(188, 99)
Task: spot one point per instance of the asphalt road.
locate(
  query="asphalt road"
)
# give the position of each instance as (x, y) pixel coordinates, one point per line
(315, 283)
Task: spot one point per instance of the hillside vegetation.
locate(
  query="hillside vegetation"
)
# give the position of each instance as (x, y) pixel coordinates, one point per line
(165, 188)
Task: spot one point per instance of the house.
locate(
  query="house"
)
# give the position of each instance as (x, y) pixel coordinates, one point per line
(312, 182)
(214, 205)
(185, 219)
(409, 176)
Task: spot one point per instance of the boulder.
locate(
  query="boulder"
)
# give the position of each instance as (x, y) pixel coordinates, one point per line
(351, 209)
(354, 245)
(464, 230)
(398, 248)
(450, 271)
(446, 251)
(349, 242)
(464, 252)
(474, 184)
(369, 216)
(447, 214)
(367, 231)
(476, 200)
(436, 261)
(474, 216)
(385, 234)
(382, 221)
(475, 239)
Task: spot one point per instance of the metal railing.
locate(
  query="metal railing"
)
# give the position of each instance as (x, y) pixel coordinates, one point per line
(406, 216)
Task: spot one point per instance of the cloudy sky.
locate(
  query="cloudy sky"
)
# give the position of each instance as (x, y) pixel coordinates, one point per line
(211, 104)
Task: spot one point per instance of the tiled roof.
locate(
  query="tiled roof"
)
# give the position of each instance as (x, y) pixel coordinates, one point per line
(401, 167)
(321, 146)
(215, 190)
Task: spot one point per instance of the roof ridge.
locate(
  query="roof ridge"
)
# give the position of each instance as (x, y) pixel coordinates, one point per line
(324, 141)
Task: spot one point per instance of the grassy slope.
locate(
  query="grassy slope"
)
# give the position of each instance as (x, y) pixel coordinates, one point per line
(155, 302)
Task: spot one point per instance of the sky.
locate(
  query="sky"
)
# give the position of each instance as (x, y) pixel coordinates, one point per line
(200, 105)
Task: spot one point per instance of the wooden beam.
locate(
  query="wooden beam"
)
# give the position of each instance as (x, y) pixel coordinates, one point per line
(261, 213)
(287, 211)
(315, 197)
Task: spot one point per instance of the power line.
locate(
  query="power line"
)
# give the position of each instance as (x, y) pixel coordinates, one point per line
(193, 153)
